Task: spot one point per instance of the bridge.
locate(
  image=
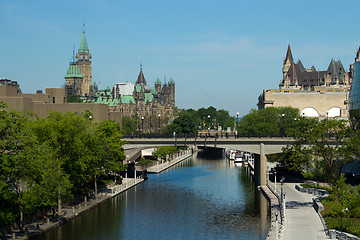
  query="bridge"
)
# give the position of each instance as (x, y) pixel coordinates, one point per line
(260, 146)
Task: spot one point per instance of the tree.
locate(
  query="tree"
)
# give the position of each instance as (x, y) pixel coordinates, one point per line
(104, 149)
(278, 121)
(129, 125)
(324, 141)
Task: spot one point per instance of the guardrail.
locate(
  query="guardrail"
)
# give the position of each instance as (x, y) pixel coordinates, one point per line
(277, 192)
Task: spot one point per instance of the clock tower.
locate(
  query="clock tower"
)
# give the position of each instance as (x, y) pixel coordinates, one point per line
(83, 61)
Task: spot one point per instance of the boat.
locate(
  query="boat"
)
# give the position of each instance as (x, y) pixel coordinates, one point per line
(238, 157)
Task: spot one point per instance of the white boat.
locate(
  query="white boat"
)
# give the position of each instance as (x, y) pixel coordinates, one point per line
(239, 157)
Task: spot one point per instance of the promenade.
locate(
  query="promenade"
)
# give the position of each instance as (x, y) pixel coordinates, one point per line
(302, 220)
(167, 164)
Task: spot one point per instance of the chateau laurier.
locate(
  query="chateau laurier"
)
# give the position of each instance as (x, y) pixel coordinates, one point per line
(124, 99)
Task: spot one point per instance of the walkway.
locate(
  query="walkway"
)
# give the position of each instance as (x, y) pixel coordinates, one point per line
(163, 166)
(302, 220)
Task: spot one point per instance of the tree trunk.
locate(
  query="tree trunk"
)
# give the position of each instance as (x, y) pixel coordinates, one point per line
(96, 194)
(21, 209)
(59, 203)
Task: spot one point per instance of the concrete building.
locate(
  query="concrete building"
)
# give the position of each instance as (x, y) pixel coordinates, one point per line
(315, 93)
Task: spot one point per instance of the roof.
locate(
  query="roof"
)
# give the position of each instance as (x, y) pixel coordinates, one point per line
(148, 97)
(171, 81)
(73, 71)
(83, 44)
(153, 91)
(157, 81)
(127, 99)
(138, 87)
(289, 55)
(141, 79)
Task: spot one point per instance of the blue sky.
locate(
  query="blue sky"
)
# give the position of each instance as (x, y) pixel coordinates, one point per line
(220, 53)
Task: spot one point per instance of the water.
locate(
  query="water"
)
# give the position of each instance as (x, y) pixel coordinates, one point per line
(197, 199)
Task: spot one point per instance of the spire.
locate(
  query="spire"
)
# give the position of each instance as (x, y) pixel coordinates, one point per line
(289, 55)
(83, 44)
(141, 79)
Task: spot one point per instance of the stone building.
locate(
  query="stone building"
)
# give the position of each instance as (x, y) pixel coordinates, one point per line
(316, 93)
(79, 75)
(142, 101)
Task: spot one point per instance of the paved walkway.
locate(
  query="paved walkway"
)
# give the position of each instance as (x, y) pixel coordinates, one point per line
(163, 166)
(302, 220)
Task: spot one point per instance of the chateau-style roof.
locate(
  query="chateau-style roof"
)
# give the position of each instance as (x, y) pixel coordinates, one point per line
(73, 71)
(157, 81)
(289, 55)
(312, 77)
(83, 44)
(148, 97)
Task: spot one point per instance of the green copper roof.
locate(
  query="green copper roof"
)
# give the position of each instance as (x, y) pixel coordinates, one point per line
(148, 97)
(138, 87)
(83, 44)
(127, 99)
(153, 91)
(171, 80)
(157, 81)
(73, 71)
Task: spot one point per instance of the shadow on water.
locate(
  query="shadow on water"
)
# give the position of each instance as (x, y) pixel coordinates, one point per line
(211, 154)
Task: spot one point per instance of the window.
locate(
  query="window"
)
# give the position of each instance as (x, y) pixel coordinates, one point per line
(53, 99)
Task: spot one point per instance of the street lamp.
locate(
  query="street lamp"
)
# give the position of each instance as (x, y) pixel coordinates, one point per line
(282, 123)
(209, 121)
(275, 181)
(142, 123)
(159, 122)
(282, 191)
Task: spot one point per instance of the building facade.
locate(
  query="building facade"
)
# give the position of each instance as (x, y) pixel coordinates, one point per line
(136, 100)
(315, 93)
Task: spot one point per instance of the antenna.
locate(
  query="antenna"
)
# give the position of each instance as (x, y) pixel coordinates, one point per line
(140, 64)
(165, 78)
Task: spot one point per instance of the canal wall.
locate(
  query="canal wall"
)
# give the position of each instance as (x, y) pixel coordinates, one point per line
(278, 220)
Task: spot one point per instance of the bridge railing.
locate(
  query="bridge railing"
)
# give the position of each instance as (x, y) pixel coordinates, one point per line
(181, 135)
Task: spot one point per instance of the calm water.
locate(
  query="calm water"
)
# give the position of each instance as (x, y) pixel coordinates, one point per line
(200, 198)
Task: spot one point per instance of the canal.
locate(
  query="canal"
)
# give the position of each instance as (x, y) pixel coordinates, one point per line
(204, 197)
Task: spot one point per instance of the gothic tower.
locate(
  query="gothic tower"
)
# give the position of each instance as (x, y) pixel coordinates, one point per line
(158, 86)
(84, 63)
(171, 96)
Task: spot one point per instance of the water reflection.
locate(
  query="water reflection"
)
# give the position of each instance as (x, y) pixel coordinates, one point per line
(197, 199)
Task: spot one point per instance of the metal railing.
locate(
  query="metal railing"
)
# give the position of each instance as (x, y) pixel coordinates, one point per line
(282, 205)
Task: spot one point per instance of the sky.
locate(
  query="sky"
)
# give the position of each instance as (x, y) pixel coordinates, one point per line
(219, 53)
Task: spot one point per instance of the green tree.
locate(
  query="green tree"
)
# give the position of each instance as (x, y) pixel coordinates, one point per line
(105, 150)
(278, 121)
(162, 151)
(324, 141)
(129, 125)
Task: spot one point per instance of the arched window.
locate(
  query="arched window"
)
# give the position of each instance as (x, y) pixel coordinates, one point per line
(334, 112)
(309, 112)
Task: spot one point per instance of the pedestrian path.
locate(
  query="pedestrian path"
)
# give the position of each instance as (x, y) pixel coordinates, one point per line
(303, 221)
(167, 164)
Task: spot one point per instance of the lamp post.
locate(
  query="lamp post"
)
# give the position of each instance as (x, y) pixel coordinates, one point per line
(209, 121)
(282, 125)
(282, 191)
(276, 226)
(142, 123)
(275, 181)
(159, 122)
